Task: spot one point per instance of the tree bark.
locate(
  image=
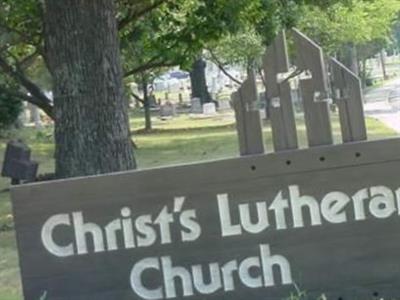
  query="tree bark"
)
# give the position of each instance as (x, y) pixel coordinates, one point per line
(383, 63)
(90, 109)
(146, 104)
(198, 81)
(350, 59)
(364, 73)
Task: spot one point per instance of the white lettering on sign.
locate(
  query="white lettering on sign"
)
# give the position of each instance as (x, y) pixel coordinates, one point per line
(290, 208)
(379, 201)
(143, 231)
(191, 279)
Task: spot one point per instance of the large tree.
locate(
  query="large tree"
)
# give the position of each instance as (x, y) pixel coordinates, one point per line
(79, 47)
(77, 42)
(90, 111)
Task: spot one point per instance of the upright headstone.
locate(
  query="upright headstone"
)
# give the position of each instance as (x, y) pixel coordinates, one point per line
(209, 109)
(17, 163)
(224, 105)
(196, 107)
(167, 110)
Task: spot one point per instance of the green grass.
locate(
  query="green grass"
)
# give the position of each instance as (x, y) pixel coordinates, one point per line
(175, 141)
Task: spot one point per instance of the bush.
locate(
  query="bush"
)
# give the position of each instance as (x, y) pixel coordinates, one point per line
(10, 108)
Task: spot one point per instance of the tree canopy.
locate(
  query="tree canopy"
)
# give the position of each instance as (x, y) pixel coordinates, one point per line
(357, 23)
(154, 34)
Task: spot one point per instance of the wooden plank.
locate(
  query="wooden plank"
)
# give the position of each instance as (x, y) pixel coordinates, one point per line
(309, 57)
(275, 61)
(283, 121)
(277, 128)
(286, 102)
(248, 120)
(350, 103)
(240, 122)
(316, 115)
(283, 124)
(351, 258)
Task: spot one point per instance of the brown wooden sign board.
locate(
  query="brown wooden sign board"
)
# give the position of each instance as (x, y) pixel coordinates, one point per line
(326, 219)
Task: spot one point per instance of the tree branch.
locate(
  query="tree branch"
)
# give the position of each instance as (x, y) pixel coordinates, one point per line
(134, 15)
(16, 94)
(37, 98)
(221, 67)
(137, 97)
(147, 66)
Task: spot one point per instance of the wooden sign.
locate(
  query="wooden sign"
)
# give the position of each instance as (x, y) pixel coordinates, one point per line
(323, 220)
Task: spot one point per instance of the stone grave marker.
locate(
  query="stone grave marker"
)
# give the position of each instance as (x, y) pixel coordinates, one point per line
(167, 110)
(17, 163)
(196, 107)
(209, 109)
(224, 105)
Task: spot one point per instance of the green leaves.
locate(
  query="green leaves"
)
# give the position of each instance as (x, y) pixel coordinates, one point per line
(356, 23)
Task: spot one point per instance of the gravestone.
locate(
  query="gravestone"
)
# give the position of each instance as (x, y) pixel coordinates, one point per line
(167, 110)
(17, 164)
(209, 109)
(196, 107)
(224, 105)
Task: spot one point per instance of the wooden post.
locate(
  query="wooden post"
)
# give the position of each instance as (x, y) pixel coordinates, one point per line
(316, 115)
(283, 125)
(314, 90)
(349, 102)
(248, 121)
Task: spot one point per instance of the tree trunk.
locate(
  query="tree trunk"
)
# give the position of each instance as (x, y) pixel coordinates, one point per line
(383, 63)
(91, 112)
(146, 104)
(198, 81)
(364, 73)
(350, 58)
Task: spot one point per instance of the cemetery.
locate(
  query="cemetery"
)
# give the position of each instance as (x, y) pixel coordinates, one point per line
(195, 149)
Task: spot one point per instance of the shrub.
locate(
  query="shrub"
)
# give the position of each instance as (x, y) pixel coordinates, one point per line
(10, 108)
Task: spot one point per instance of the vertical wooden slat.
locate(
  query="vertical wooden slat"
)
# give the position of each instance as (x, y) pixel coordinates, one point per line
(349, 102)
(288, 116)
(317, 117)
(283, 124)
(240, 121)
(278, 128)
(275, 61)
(309, 56)
(248, 120)
(314, 91)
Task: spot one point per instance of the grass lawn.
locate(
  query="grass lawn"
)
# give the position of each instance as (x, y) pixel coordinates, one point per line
(179, 140)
